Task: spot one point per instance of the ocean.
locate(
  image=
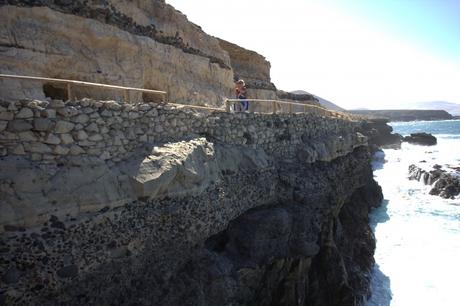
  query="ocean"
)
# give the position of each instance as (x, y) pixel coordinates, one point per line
(418, 235)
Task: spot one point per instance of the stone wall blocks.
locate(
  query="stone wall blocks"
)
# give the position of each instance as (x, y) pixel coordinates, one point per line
(92, 127)
(67, 139)
(113, 105)
(48, 113)
(105, 155)
(145, 107)
(97, 104)
(28, 136)
(104, 130)
(68, 111)
(106, 113)
(64, 127)
(52, 139)
(25, 113)
(133, 115)
(82, 118)
(56, 104)
(3, 125)
(37, 147)
(86, 143)
(81, 135)
(76, 150)
(95, 137)
(19, 125)
(94, 151)
(61, 150)
(94, 115)
(19, 150)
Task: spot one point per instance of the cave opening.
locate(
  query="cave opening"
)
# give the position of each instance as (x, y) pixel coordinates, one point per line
(55, 92)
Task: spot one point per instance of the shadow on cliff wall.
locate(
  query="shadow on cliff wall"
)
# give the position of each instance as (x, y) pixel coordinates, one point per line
(380, 288)
(379, 215)
(380, 283)
(378, 160)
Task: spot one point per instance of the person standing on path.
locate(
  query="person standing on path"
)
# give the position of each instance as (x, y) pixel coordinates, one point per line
(241, 93)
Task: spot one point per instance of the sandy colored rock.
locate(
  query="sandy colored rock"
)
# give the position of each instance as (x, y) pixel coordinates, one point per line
(53, 42)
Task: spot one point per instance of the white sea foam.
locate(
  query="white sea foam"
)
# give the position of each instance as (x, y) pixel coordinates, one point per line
(418, 235)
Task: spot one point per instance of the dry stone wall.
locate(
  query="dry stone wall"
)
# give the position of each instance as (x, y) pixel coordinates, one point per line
(49, 131)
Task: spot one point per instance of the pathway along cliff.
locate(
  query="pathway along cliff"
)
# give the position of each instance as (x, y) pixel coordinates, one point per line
(109, 203)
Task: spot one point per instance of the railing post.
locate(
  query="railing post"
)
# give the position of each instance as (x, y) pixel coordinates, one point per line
(227, 106)
(290, 108)
(126, 94)
(274, 107)
(69, 92)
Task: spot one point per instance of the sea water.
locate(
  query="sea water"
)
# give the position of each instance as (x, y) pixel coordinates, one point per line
(418, 235)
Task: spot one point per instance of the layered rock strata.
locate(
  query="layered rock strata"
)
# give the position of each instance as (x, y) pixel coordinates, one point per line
(196, 208)
(146, 44)
(253, 68)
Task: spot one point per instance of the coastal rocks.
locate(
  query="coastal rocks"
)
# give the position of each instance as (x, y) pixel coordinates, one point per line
(421, 139)
(445, 184)
(380, 134)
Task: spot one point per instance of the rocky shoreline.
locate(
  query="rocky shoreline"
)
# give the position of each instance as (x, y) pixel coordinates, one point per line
(445, 184)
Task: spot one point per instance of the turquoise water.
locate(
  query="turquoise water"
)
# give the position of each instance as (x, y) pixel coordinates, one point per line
(418, 235)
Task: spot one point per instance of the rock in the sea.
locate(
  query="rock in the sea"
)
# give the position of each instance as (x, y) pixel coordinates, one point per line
(445, 184)
(424, 139)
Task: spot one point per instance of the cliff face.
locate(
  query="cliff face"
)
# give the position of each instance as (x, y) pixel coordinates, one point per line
(253, 68)
(108, 203)
(143, 44)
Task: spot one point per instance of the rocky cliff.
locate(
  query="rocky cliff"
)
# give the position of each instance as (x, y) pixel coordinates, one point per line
(111, 203)
(145, 44)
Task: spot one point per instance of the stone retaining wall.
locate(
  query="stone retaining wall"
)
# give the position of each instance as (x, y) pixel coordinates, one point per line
(50, 131)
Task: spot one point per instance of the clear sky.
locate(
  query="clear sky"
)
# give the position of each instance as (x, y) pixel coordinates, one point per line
(355, 53)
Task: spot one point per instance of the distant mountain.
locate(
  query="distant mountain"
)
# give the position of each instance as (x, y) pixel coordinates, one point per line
(405, 114)
(325, 103)
(451, 108)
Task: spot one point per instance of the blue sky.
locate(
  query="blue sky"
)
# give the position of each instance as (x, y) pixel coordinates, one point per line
(431, 24)
(356, 53)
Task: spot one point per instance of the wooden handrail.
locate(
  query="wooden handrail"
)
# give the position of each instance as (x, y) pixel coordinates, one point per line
(229, 102)
(83, 83)
(126, 90)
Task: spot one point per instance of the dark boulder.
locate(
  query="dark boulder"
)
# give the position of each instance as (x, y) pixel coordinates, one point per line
(424, 139)
(445, 184)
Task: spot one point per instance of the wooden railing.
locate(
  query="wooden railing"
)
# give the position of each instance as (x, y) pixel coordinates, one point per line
(72, 83)
(274, 106)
